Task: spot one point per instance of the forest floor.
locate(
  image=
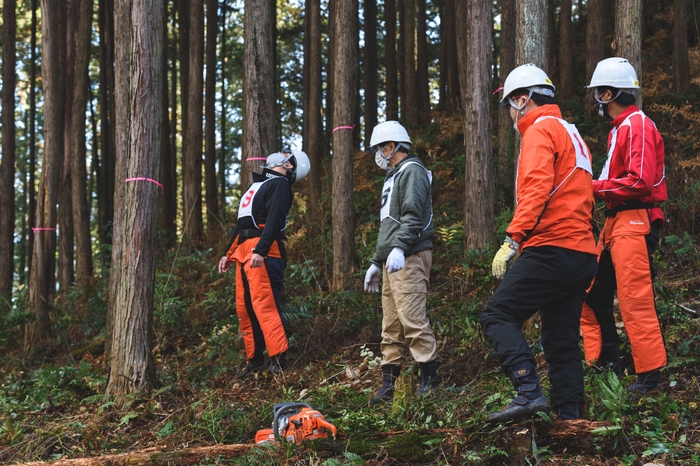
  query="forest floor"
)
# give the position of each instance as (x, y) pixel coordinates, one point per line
(53, 407)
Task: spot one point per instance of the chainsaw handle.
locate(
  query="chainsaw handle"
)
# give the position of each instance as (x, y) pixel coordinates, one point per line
(283, 408)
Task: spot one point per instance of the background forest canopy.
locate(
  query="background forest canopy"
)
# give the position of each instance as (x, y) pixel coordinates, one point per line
(231, 81)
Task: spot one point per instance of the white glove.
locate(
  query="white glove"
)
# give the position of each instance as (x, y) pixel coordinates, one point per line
(372, 279)
(504, 258)
(394, 262)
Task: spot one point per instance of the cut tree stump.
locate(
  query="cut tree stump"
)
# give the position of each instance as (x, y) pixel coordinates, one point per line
(569, 429)
(154, 457)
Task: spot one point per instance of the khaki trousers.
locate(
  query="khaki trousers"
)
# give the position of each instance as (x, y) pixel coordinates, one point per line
(405, 325)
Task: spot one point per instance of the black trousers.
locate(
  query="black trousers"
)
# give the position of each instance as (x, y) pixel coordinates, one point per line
(552, 280)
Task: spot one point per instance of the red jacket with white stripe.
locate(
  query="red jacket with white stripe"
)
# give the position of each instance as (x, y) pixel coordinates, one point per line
(635, 166)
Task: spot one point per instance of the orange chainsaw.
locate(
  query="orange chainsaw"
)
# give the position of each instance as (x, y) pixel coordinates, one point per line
(296, 422)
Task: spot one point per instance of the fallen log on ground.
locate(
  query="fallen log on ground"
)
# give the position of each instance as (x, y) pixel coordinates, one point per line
(569, 429)
(155, 457)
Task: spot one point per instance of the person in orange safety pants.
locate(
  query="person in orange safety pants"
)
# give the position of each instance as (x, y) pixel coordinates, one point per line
(632, 184)
(260, 257)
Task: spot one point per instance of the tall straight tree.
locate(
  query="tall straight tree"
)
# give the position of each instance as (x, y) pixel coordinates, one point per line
(139, 45)
(565, 86)
(595, 40)
(551, 41)
(105, 186)
(505, 163)
(31, 192)
(211, 190)
(314, 118)
(260, 116)
(81, 212)
(66, 231)
(222, 152)
(409, 104)
(41, 274)
(167, 210)
(392, 72)
(474, 42)
(681, 66)
(628, 36)
(344, 57)
(449, 69)
(192, 150)
(370, 65)
(7, 165)
(422, 76)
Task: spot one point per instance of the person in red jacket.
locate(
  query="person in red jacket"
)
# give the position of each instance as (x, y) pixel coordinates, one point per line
(258, 251)
(632, 184)
(552, 231)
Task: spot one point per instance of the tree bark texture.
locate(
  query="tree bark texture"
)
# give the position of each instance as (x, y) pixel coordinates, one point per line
(212, 201)
(565, 86)
(595, 42)
(105, 190)
(531, 32)
(66, 231)
(168, 201)
(628, 36)
(7, 166)
(681, 70)
(422, 77)
(222, 153)
(305, 73)
(344, 56)
(370, 65)
(505, 163)
(409, 105)
(475, 75)
(551, 68)
(392, 73)
(42, 271)
(139, 36)
(79, 193)
(260, 116)
(315, 117)
(192, 153)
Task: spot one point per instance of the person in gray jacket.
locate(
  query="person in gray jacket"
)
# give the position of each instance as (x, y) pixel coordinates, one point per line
(402, 260)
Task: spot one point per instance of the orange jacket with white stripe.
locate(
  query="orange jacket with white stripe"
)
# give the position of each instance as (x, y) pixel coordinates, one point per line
(554, 193)
(634, 169)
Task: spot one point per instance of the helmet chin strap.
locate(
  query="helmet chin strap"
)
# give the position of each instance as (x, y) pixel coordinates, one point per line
(521, 111)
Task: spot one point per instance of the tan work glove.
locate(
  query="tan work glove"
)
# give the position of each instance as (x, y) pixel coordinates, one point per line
(504, 258)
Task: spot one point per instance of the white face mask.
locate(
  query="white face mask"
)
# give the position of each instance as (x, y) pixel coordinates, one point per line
(380, 160)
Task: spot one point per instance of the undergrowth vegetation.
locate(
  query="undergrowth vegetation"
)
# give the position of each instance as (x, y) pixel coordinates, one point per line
(52, 404)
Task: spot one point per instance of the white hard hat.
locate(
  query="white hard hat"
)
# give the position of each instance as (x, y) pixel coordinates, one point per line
(389, 131)
(527, 77)
(614, 72)
(298, 159)
(301, 163)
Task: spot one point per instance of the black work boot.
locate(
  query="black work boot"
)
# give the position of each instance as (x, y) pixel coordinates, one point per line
(278, 364)
(429, 378)
(253, 367)
(568, 411)
(530, 399)
(386, 393)
(646, 382)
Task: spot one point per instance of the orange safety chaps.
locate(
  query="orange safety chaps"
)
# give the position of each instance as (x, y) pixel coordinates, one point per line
(624, 237)
(258, 293)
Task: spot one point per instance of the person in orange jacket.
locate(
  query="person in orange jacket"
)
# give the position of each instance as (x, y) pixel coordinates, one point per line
(632, 184)
(551, 230)
(260, 257)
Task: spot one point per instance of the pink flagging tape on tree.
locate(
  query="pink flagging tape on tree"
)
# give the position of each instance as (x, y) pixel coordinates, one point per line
(497, 90)
(250, 159)
(150, 180)
(342, 127)
(34, 230)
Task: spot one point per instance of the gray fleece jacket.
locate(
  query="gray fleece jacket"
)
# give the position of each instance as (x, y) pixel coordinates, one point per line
(409, 223)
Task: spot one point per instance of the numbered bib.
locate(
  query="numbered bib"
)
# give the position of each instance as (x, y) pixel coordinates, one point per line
(388, 189)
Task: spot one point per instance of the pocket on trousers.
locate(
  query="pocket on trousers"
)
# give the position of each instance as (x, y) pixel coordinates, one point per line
(414, 288)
